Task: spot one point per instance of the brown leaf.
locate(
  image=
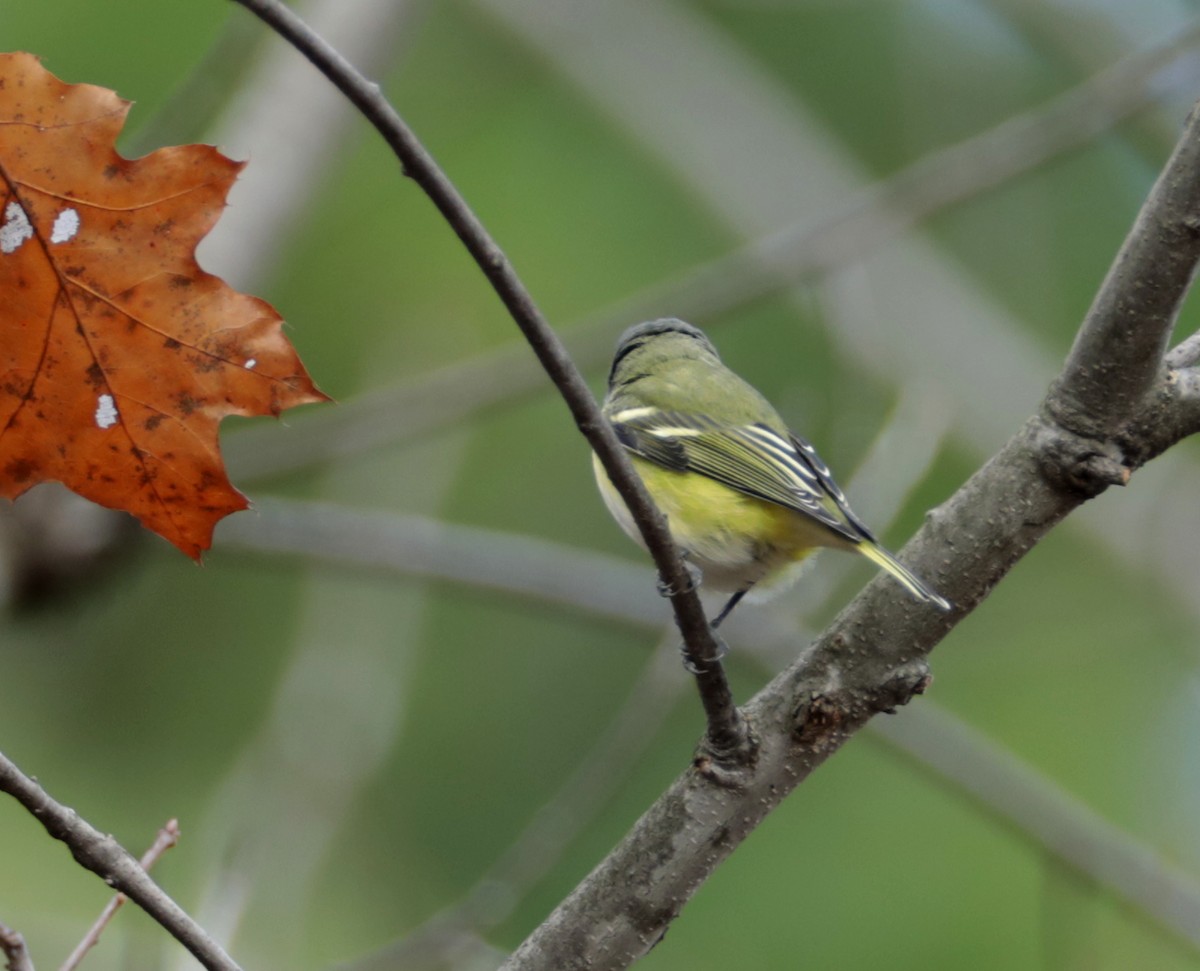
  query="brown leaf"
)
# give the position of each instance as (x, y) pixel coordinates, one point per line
(119, 356)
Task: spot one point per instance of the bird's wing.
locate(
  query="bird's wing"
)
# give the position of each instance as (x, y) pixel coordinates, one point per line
(753, 459)
(809, 455)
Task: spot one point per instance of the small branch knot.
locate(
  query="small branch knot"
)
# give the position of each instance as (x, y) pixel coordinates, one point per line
(1191, 224)
(911, 679)
(1080, 464)
(729, 762)
(816, 721)
(1095, 472)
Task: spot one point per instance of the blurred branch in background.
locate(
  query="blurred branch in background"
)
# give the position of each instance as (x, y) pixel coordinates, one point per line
(1039, 810)
(727, 736)
(12, 946)
(771, 263)
(871, 659)
(778, 258)
(1075, 40)
(299, 129)
(582, 797)
(569, 577)
(422, 546)
(200, 98)
(288, 794)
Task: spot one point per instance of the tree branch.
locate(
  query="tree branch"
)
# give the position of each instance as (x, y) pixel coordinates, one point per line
(12, 946)
(554, 574)
(1118, 354)
(167, 837)
(105, 857)
(727, 737)
(872, 658)
(853, 671)
(582, 796)
(1185, 354)
(870, 218)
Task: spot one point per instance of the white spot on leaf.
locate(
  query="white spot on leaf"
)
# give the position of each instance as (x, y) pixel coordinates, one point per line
(66, 225)
(249, 365)
(16, 228)
(106, 411)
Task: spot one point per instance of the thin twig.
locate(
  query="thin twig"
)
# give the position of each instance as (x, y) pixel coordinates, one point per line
(105, 857)
(871, 217)
(872, 658)
(811, 710)
(167, 837)
(727, 734)
(12, 946)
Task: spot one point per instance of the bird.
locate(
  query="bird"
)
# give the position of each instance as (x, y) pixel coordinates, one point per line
(745, 499)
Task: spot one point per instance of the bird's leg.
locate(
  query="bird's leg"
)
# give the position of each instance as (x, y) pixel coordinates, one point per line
(666, 589)
(693, 667)
(722, 647)
(728, 608)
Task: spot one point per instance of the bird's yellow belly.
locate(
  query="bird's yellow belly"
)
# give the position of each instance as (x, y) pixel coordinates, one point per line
(734, 539)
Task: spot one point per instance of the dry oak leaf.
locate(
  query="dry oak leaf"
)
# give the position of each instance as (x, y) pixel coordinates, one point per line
(119, 356)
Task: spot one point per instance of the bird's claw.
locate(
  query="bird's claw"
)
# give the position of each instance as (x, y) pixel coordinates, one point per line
(668, 589)
(694, 666)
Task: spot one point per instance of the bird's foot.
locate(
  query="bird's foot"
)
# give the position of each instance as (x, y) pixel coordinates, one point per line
(694, 665)
(668, 589)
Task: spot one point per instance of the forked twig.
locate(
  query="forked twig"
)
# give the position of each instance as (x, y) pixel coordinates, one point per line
(105, 857)
(167, 837)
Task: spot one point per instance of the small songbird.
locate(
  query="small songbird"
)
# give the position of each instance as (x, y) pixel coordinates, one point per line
(745, 499)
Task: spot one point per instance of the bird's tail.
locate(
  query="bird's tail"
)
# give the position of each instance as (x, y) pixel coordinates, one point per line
(904, 576)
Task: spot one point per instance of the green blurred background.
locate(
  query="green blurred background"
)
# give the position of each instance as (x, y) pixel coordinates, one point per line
(349, 749)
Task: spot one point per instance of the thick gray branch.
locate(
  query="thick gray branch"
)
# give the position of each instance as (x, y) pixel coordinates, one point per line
(872, 658)
(1118, 353)
(955, 754)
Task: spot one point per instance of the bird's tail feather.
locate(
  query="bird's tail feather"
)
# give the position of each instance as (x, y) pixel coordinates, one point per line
(904, 576)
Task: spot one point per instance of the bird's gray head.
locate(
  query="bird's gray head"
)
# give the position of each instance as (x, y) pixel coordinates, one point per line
(685, 337)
